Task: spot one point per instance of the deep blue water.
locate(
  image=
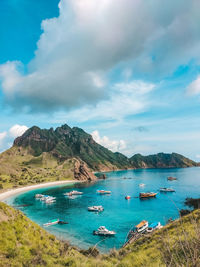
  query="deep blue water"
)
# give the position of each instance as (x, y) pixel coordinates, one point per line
(119, 214)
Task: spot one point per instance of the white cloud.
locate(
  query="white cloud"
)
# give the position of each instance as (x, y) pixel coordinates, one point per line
(78, 49)
(17, 130)
(124, 99)
(114, 145)
(194, 87)
(2, 137)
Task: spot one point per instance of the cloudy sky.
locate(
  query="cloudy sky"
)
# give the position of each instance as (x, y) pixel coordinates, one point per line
(126, 71)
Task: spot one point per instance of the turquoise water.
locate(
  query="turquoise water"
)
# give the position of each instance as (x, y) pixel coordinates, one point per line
(119, 214)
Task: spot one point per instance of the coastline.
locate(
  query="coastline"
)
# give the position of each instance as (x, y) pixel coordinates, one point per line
(12, 192)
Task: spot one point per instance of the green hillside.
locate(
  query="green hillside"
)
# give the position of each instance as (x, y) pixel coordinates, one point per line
(23, 243)
(42, 155)
(162, 160)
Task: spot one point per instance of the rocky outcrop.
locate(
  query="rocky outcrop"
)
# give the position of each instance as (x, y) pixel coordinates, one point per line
(82, 172)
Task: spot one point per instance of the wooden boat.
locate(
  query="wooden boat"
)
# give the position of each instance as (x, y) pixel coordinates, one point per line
(164, 189)
(102, 192)
(72, 193)
(127, 197)
(147, 195)
(170, 178)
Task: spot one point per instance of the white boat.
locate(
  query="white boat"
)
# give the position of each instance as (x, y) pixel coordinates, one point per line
(74, 192)
(103, 231)
(142, 226)
(51, 222)
(141, 185)
(164, 189)
(47, 201)
(96, 208)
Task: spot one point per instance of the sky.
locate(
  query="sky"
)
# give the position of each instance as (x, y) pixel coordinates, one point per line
(125, 71)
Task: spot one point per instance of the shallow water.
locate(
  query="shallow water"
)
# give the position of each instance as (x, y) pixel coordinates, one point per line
(119, 214)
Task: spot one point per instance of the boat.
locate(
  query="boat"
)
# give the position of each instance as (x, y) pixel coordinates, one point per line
(153, 226)
(103, 231)
(102, 192)
(127, 197)
(39, 196)
(147, 195)
(53, 222)
(48, 199)
(62, 222)
(170, 178)
(164, 189)
(74, 192)
(96, 208)
(142, 226)
(141, 185)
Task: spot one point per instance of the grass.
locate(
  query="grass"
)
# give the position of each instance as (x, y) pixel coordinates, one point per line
(19, 168)
(24, 243)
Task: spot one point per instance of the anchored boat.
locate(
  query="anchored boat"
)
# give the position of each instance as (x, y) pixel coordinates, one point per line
(170, 178)
(51, 223)
(164, 189)
(103, 231)
(96, 208)
(127, 197)
(147, 195)
(154, 226)
(102, 192)
(74, 192)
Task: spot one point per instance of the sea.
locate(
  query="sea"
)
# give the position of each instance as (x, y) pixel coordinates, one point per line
(119, 214)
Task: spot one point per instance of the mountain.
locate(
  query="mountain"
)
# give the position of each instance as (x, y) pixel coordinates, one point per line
(41, 155)
(65, 143)
(161, 160)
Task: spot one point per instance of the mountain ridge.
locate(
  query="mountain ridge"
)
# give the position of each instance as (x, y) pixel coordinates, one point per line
(42, 155)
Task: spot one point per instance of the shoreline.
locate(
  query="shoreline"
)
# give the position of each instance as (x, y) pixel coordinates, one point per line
(15, 191)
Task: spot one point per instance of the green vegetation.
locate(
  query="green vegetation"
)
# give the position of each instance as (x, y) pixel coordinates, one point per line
(162, 160)
(42, 155)
(23, 243)
(19, 168)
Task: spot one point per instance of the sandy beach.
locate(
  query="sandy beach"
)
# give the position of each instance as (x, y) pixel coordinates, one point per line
(12, 192)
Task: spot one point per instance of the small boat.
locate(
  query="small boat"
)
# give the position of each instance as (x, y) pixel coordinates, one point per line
(170, 178)
(141, 185)
(102, 192)
(96, 208)
(142, 226)
(49, 200)
(153, 226)
(62, 222)
(53, 222)
(127, 197)
(147, 195)
(74, 192)
(39, 196)
(103, 231)
(164, 189)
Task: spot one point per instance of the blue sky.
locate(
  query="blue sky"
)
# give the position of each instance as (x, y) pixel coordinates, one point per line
(125, 71)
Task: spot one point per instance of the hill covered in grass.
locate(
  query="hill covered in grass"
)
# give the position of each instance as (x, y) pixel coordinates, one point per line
(24, 243)
(162, 160)
(42, 155)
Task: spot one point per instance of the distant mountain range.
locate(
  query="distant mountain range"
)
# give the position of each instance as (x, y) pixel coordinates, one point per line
(41, 154)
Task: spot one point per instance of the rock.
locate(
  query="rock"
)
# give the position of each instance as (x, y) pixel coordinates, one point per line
(103, 176)
(81, 172)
